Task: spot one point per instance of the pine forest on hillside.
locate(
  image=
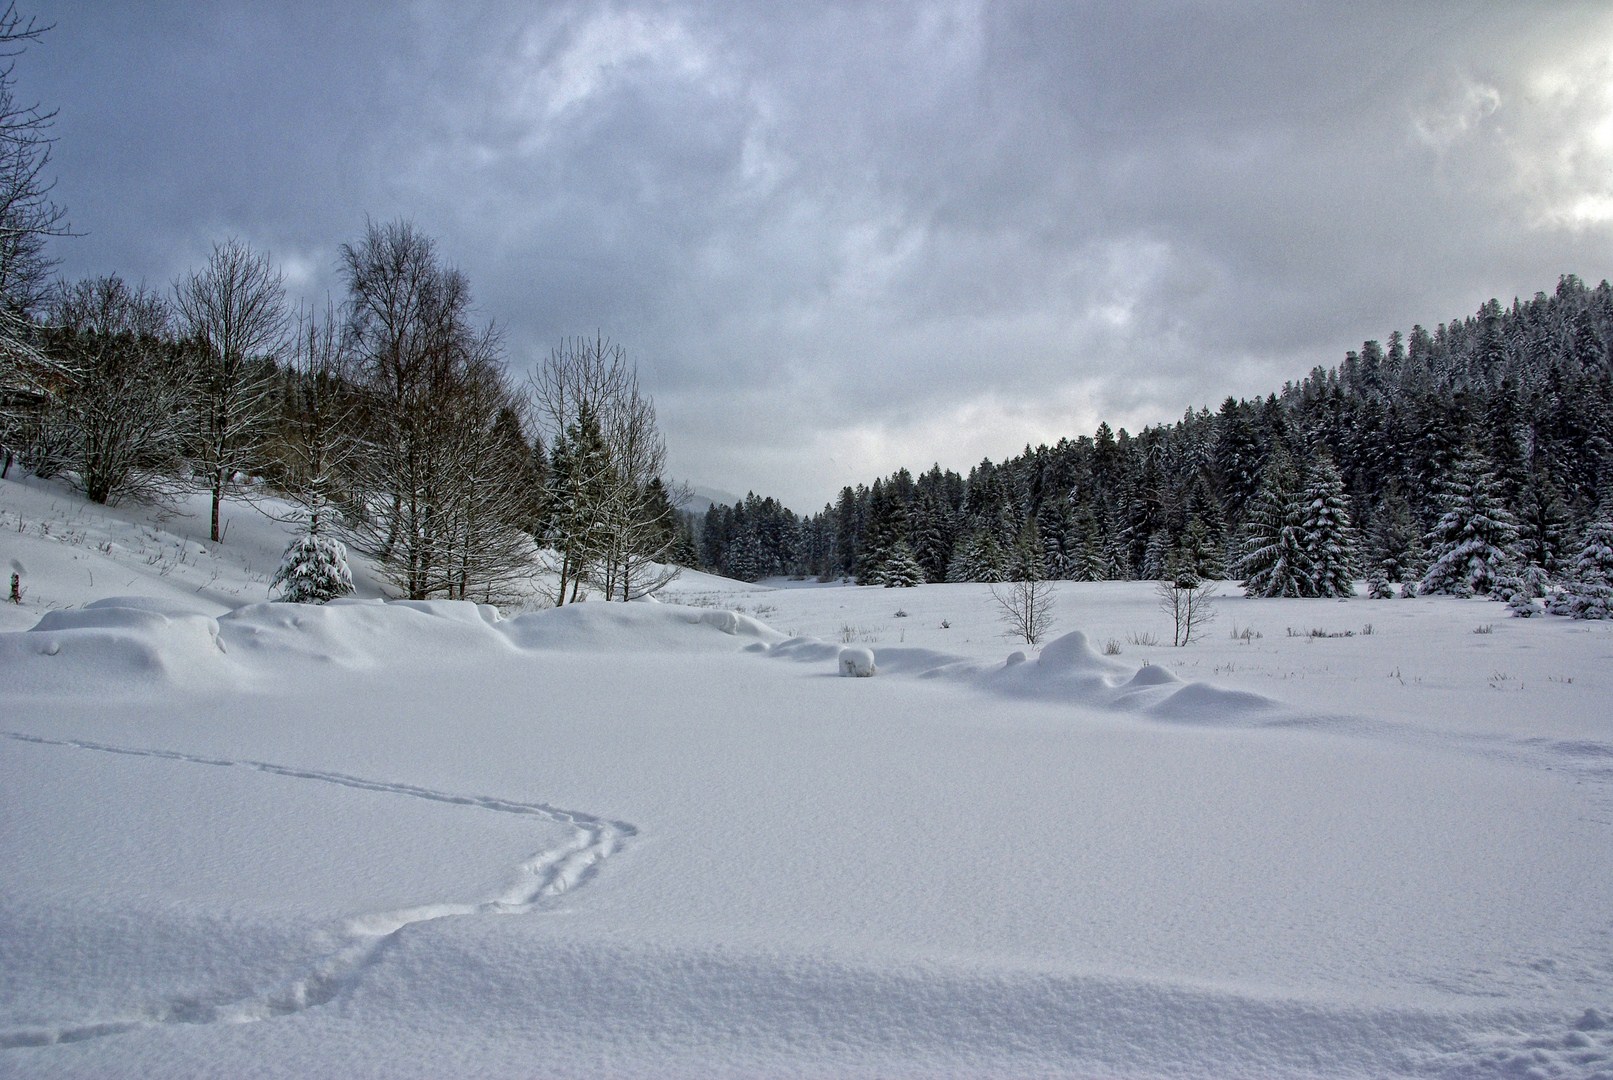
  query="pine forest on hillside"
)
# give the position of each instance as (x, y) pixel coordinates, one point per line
(1477, 458)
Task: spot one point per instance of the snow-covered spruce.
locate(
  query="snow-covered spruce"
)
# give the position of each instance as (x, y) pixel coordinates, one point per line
(1298, 540)
(1595, 559)
(901, 569)
(313, 570)
(1470, 544)
(1522, 605)
(1272, 560)
(1583, 600)
(1328, 536)
(1508, 583)
(1589, 592)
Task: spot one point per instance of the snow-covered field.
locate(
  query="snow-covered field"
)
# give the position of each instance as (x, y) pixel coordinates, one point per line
(419, 840)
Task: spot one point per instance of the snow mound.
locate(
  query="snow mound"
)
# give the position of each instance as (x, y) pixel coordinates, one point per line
(806, 649)
(1153, 675)
(1200, 702)
(602, 627)
(126, 641)
(120, 640)
(735, 625)
(857, 663)
(1068, 670)
(1073, 653)
(359, 634)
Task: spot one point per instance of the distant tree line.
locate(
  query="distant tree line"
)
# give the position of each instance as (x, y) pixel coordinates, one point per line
(1450, 460)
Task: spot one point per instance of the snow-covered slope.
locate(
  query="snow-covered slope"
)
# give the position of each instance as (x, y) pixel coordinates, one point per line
(389, 839)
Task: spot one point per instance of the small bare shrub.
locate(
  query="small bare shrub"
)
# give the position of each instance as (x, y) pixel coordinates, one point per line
(1187, 601)
(1026, 608)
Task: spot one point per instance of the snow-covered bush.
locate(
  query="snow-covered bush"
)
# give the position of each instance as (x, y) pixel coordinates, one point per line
(1589, 595)
(1595, 559)
(856, 663)
(1508, 583)
(1378, 587)
(1522, 605)
(1583, 600)
(312, 571)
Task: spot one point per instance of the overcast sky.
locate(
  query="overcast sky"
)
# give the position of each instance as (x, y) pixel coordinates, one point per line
(842, 238)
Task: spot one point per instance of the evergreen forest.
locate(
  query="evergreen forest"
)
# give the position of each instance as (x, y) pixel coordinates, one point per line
(1451, 460)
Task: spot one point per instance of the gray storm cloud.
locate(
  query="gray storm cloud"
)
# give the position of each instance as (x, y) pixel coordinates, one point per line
(842, 238)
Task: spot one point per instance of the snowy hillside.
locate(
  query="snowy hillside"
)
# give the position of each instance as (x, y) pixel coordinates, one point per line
(1333, 838)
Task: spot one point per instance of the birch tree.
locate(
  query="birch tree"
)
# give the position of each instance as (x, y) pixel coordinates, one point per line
(612, 517)
(234, 314)
(429, 506)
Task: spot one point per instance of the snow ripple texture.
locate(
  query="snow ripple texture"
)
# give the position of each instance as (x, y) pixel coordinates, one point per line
(365, 938)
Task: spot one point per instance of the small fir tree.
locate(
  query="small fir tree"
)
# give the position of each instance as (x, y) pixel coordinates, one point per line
(1026, 561)
(1523, 606)
(1508, 583)
(1393, 536)
(1535, 581)
(313, 570)
(901, 570)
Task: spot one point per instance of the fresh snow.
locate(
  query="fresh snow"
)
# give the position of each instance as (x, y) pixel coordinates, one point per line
(425, 839)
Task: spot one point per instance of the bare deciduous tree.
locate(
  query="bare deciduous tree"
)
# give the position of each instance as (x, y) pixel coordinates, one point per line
(1188, 601)
(233, 312)
(29, 375)
(119, 423)
(428, 505)
(1026, 608)
(611, 519)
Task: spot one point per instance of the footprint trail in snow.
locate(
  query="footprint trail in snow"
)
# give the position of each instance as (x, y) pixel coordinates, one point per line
(365, 937)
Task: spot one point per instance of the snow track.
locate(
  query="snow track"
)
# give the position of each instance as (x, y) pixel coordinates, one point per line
(364, 938)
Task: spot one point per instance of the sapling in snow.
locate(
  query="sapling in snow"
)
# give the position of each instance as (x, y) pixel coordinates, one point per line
(1026, 608)
(1187, 601)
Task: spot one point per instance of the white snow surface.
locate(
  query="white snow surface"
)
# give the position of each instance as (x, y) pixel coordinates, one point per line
(393, 839)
